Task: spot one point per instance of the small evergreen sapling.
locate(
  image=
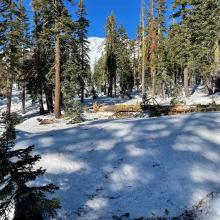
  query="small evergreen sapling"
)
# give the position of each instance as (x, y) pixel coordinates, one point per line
(16, 172)
(75, 112)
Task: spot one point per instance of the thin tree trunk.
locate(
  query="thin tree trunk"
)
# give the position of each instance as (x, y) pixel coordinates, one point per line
(217, 61)
(82, 90)
(163, 90)
(115, 85)
(143, 55)
(9, 95)
(57, 108)
(208, 86)
(49, 99)
(41, 103)
(110, 88)
(186, 81)
(82, 72)
(23, 94)
(153, 75)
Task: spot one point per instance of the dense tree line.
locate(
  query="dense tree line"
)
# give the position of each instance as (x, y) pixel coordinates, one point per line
(164, 59)
(49, 61)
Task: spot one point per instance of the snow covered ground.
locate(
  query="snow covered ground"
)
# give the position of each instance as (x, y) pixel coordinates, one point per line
(16, 103)
(144, 167)
(198, 97)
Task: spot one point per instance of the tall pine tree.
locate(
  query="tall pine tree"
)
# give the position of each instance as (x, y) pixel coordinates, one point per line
(82, 31)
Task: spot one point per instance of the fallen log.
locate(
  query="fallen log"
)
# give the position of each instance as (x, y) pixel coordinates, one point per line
(179, 109)
(158, 109)
(116, 108)
(45, 121)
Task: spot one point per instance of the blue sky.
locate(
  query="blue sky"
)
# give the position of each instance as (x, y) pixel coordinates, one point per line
(126, 12)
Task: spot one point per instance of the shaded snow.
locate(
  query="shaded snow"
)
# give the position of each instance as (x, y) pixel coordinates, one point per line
(138, 166)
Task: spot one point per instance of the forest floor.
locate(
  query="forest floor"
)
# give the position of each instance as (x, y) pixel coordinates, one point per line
(130, 168)
(144, 167)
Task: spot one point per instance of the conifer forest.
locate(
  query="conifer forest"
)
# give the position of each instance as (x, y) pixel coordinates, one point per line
(110, 109)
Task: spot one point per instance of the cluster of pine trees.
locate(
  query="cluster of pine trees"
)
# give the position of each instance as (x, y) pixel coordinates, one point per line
(117, 66)
(164, 58)
(46, 57)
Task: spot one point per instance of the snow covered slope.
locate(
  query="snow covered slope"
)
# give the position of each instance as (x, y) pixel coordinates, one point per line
(144, 167)
(96, 47)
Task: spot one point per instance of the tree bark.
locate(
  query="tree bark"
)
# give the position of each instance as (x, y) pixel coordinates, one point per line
(41, 103)
(186, 81)
(57, 108)
(217, 82)
(110, 84)
(163, 90)
(153, 75)
(143, 56)
(115, 86)
(208, 86)
(9, 95)
(217, 62)
(49, 99)
(82, 91)
(23, 94)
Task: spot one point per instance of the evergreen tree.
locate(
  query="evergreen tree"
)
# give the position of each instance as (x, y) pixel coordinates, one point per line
(23, 49)
(183, 40)
(124, 63)
(53, 26)
(142, 45)
(82, 30)
(16, 171)
(152, 45)
(37, 77)
(203, 24)
(59, 21)
(100, 77)
(161, 66)
(110, 47)
(10, 40)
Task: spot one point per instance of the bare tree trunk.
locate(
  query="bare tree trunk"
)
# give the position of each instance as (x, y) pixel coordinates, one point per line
(115, 85)
(82, 90)
(49, 99)
(217, 61)
(110, 88)
(57, 108)
(41, 103)
(163, 90)
(153, 75)
(208, 86)
(143, 55)
(105, 88)
(23, 94)
(186, 81)
(9, 95)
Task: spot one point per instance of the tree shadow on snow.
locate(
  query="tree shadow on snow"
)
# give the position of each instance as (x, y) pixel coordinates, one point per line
(144, 167)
